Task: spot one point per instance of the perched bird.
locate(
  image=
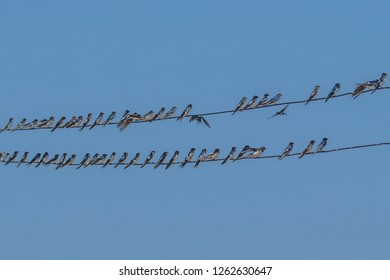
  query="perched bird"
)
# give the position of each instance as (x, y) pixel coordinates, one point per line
(78, 122)
(173, 159)
(274, 99)
(201, 157)
(69, 161)
(31, 124)
(20, 125)
(69, 123)
(334, 90)
(188, 158)
(231, 155)
(243, 153)
(58, 124)
(46, 123)
(8, 125)
(86, 122)
(374, 85)
(84, 161)
(286, 151)
(148, 159)
(61, 161)
(240, 106)
(129, 119)
(110, 118)
(148, 116)
(134, 160)
(12, 158)
(185, 112)
(170, 113)
(161, 160)
(35, 159)
(307, 149)
(213, 156)
(279, 113)
(256, 152)
(200, 119)
(313, 94)
(43, 159)
(263, 101)
(98, 120)
(100, 160)
(93, 160)
(123, 117)
(321, 145)
(110, 160)
(3, 156)
(251, 102)
(380, 82)
(23, 159)
(53, 160)
(121, 160)
(158, 115)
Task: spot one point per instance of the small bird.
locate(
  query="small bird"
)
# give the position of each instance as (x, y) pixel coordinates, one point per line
(43, 159)
(3, 156)
(129, 119)
(12, 157)
(148, 116)
(98, 120)
(200, 119)
(53, 160)
(123, 118)
(366, 86)
(58, 124)
(334, 90)
(279, 113)
(110, 159)
(77, 122)
(307, 149)
(20, 125)
(134, 160)
(93, 160)
(23, 159)
(148, 159)
(160, 160)
(61, 161)
(31, 124)
(251, 102)
(213, 156)
(69, 123)
(70, 160)
(86, 122)
(256, 152)
(185, 112)
(170, 113)
(121, 160)
(243, 153)
(85, 161)
(263, 101)
(159, 114)
(46, 123)
(201, 157)
(188, 158)
(321, 145)
(173, 159)
(274, 99)
(313, 94)
(286, 151)
(110, 118)
(231, 155)
(35, 159)
(240, 106)
(100, 160)
(380, 82)
(8, 125)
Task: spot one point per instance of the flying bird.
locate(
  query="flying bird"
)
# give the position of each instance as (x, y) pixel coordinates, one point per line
(121, 160)
(321, 145)
(185, 112)
(334, 90)
(134, 160)
(240, 106)
(23, 159)
(274, 99)
(98, 120)
(286, 151)
(173, 159)
(148, 159)
(231, 155)
(110, 118)
(313, 94)
(307, 149)
(251, 102)
(58, 124)
(279, 113)
(8, 125)
(110, 159)
(199, 119)
(201, 157)
(160, 160)
(188, 158)
(263, 101)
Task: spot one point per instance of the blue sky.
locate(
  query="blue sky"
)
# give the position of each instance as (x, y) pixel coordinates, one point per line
(75, 57)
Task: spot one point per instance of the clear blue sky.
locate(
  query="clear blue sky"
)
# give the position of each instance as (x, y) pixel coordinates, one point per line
(75, 57)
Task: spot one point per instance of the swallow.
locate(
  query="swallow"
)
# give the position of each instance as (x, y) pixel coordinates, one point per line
(188, 158)
(307, 149)
(98, 120)
(23, 159)
(158, 115)
(274, 99)
(121, 160)
(365, 86)
(173, 159)
(3, 156)
(43, 159)
(201, 157)
(170, 113)
(256, 152)
(46, 123)
(35, 159)
(148, 116)
(231, 155)
(251, 102)
(243, 153)
(110, 160)
(93, 160)
(334, 90)
(185, 112)
(148, 159)
(84, 161)
(286, 151)
(123, 117)
(313, 94)
(8, 125)
(380, 82)
(12, 157)
(213, 156)
(61, 161)
(134, 160)
(86, 122)
(279, 113)
(78, 122)
(70, 122)
(321, 145)
(53, 160)
(70, 160)
(31, 124)
(200, 119)
(100, 160)
(110, 118)
(161, 160)
(240, 106)
(263, 101)
(20, 125)
(58, 124)
(129, 120)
